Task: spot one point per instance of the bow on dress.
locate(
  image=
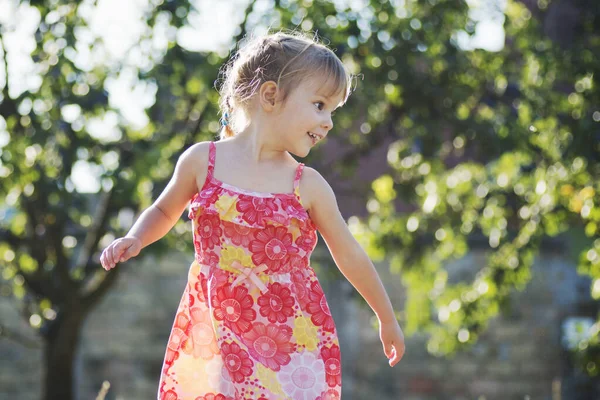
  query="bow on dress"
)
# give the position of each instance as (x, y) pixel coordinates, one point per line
(246, 273)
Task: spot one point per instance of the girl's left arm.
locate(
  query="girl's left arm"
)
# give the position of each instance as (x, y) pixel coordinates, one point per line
(348, 254)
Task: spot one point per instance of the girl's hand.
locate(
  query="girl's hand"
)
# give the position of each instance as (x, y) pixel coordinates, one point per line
(392, 339)
(120, 250)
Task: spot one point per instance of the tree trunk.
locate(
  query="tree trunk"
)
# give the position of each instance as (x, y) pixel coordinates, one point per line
(62, 341)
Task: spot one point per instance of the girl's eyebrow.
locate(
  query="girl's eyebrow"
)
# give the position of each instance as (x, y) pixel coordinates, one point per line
(328, 99)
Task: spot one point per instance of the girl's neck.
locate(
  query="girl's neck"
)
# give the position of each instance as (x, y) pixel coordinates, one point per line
(258, 146)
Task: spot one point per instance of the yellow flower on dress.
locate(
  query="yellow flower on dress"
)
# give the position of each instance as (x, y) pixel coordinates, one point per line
(306, 333)
(229, 254)
(294, 229)
(268, 378)
(193, 273)
(226, 207)
(190, 374)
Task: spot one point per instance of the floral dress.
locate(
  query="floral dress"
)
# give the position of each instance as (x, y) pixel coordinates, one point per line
(253, 321)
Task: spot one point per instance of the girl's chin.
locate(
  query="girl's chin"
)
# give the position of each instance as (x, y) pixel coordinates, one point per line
(301, 152)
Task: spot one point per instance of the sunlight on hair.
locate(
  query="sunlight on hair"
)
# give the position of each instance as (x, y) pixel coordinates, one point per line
(286, 58)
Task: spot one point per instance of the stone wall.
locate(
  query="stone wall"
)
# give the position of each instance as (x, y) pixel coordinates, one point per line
(519, 357)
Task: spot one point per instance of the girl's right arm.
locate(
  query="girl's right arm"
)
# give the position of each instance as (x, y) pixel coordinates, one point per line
(161, 216)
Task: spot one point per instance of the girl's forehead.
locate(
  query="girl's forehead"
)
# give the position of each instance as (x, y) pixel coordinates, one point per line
(322, 87)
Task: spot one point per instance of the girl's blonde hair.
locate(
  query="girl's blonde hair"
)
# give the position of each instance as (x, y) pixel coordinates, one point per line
(284, 58)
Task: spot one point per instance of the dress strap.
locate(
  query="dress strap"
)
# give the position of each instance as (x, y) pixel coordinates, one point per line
(212, 153)
(299, 170)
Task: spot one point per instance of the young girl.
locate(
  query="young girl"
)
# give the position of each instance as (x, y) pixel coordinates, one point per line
(253, 322)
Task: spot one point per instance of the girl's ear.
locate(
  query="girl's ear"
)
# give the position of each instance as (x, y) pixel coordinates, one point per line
(268, 96)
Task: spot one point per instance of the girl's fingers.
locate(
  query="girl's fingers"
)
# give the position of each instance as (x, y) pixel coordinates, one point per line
(103, 260)
(125, 255)
(396, 353)
(116, 252)
(395, 358)
(109, 259)
(387, 349)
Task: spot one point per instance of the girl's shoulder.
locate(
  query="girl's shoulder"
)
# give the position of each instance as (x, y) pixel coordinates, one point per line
(313, 187)
(197, 154)
(311, 176)
(199, 149)
(194, 160)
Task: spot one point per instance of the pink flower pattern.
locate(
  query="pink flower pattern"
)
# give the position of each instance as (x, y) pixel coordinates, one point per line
(233, 330)
(318, 308)
(273, 247)
(277, 304)
(270, 344)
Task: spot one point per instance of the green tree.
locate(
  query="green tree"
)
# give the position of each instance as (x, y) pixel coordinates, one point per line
(500, 145)
(51, 234)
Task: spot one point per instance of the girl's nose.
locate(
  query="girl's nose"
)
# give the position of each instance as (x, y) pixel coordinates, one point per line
(328, 123)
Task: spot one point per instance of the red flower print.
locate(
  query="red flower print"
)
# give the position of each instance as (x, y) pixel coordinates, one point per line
(318, 308)
(270, 344)
(201, 288)
(307, 239)
(217, 279)
(203, 341)
(330, 394)
(209, 230)
(333, 366)
(211, 396)
(277, 304)
(298, 262)
(255, 209)
(208, 195)
(294, 209)
(208, 258)
(170, 395)
(240, 235)
(300, 288)
(170, 356)
(272, 246)
(234, 306)
(179, 331)
(237, 361)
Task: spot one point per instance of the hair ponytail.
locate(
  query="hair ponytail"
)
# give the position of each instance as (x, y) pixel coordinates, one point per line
(227, 132)
(226, 120)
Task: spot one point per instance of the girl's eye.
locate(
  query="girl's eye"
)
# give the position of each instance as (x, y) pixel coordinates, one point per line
(320, 105)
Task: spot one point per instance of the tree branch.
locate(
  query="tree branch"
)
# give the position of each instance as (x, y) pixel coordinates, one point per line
(94, 233)
(98, 286)
(39, 283)
(7, 105)
(243, 29)
(19, 338)
(5, 61)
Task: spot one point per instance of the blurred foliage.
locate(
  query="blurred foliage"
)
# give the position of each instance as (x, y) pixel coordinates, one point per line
(501, 145)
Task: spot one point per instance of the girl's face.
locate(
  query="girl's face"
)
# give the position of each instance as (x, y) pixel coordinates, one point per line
(305, 118)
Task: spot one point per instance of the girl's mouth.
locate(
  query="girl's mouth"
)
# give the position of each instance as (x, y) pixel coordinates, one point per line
(313, 137)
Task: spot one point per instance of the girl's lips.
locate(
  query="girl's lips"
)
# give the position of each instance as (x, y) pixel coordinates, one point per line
(314, 139)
